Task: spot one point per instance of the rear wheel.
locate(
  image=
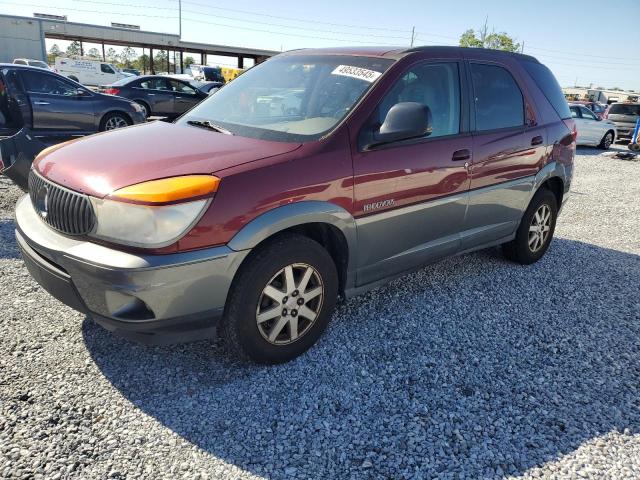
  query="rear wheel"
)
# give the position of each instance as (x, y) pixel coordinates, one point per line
(535, 231)
(606, 141)
(281, 300)
(145, 108)
(114, 120)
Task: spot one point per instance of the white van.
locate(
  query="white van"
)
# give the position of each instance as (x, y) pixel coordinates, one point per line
(88, 72)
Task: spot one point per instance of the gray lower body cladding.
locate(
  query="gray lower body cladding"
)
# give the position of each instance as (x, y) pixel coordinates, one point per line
(149, 298)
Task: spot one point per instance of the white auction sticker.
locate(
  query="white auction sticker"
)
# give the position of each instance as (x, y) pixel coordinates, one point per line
(356, 72)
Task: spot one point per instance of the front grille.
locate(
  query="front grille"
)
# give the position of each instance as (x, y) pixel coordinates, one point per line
(65, 210)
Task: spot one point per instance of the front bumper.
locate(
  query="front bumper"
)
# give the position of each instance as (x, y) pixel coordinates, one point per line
(148, 298)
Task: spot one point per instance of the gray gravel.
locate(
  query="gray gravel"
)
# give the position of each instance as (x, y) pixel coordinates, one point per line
(470, 368)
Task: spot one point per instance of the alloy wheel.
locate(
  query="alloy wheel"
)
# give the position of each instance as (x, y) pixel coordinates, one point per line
(116, 122)
(608, 140)
(290, 303)
(540, 228)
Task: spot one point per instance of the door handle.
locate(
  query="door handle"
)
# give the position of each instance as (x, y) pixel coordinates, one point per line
(41, 103)
(460, 155)
(537, 140)
(150, 94)
(178, 98)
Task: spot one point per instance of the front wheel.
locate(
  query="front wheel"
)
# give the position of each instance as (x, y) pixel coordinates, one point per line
(114, 120)
(606, 141)
(281, 300)
(535, 231)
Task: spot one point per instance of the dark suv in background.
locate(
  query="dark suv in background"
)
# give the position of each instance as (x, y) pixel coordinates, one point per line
(625, 116)
(253, 217)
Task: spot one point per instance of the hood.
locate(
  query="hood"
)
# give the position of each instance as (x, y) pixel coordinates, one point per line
(99, 164)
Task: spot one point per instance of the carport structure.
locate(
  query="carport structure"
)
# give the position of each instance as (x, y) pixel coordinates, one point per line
(38, 29)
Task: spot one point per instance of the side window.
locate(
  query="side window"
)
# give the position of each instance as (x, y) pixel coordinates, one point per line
(587, 114)
(180, 87)
(435, 85)
(106, 68)
(154, 84)
(575, 112)
(36, 82)
(20, 62)
(498, 100)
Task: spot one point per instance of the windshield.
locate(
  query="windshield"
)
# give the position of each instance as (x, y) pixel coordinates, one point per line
(291, 98)
(624, 109)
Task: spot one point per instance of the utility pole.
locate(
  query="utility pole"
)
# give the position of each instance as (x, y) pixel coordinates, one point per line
(522, 47)
(180, 19)
(413, 34)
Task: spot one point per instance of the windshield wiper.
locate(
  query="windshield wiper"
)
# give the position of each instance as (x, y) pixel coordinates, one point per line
(209, 126)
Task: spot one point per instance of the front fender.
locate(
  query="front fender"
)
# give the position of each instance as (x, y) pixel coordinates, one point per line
(295, 214)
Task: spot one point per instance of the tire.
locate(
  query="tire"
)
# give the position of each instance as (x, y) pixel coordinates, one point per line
(519, 249)
(606, 141)
(114, 120)
(145, 107)
(272, 340)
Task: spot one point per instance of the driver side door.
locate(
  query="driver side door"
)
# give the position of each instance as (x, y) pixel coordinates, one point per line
(411, 195)
(56, 107)
(184, 96)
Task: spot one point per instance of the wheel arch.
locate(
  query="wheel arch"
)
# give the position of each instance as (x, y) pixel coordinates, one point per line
(328, 224)
(555, 177)
(112, 111)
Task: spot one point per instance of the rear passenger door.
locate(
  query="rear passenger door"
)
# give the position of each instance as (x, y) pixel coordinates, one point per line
(508, 150)
(157, 93)
(411, 196)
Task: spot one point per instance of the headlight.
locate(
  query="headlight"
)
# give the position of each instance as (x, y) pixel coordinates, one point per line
(153, 214)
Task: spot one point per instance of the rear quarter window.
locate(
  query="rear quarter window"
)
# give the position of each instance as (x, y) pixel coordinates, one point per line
(624, 109)
(549, 86)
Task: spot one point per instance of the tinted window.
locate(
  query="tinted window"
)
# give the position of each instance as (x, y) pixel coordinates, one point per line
(37, 63)
(154, 84)
(106, 68)
(549, 86)
(624, 109)
(180, 87)
(37, 82)
(498, 99)
(575, 112)
(20, 62)
(435, 85)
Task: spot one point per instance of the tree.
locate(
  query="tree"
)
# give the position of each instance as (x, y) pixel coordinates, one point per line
(188, 62)
(142, 63)
(483, 39)
(73, 49)
(94, 53)
(127, 56)
(54, 52)
(112, 55)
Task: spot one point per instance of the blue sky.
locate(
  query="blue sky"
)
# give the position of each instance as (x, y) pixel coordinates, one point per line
(586, 40)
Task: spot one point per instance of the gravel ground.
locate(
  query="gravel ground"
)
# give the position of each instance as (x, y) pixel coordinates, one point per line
(471, 368)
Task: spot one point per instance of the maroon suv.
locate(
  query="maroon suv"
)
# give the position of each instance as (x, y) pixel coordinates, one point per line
(316, 174)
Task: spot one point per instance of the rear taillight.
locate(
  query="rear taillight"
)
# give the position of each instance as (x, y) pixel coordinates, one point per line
(571, 125)
(112, 91)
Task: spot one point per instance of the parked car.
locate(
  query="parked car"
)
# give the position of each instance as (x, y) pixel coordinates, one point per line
(254, 220)
(88, 71)
(624, 116)
(132, 71)
(53, 109)
(158, 95)
(598, 109)
(592, 131)
(207, 87)
(32, 63)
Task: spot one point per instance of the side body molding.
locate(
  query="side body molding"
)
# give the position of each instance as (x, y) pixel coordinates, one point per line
(299, 213)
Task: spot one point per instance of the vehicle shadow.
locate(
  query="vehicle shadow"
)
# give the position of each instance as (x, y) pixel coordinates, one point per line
(487, 368)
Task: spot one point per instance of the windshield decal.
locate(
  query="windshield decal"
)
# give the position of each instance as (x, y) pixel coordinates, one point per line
(356, 72)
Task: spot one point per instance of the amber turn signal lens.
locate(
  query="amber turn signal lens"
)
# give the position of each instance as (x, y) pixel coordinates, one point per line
(169, 189)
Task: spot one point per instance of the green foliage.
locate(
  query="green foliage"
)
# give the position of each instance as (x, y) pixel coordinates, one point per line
(112, 55)
(94, 53)
(189, 61)
(493, 40)
(127, 57)
(73, 49)
(54, 52)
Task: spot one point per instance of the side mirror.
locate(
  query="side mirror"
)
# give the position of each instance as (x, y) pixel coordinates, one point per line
(81, 92)
(404, 121)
